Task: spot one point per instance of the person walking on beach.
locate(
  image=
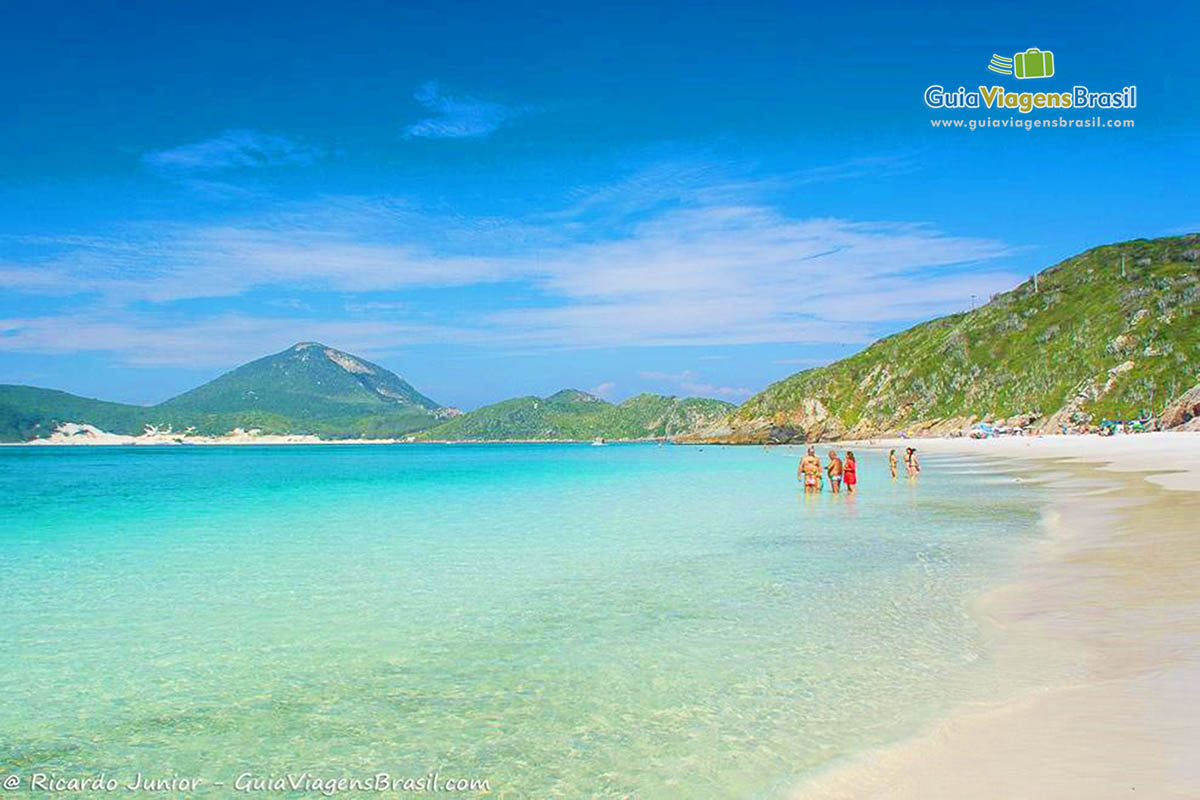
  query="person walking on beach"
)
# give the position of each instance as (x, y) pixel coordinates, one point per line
(834, 470)
(809, 470)
(850, 472)
(892, 462)
(910, 462)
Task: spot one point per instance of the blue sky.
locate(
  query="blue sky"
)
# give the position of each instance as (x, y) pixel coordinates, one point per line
(499, 199)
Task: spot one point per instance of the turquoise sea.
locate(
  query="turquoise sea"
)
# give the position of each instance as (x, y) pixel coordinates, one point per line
(560, 620)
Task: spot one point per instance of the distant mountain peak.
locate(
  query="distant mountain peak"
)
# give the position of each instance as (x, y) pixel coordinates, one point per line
(309, 380)
(347, 362)
(572, 396)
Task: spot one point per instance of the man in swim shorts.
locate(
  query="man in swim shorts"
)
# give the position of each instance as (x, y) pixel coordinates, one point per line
(809, 470)
(835, 472)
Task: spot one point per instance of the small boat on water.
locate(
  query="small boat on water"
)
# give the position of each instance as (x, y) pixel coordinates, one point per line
(599, 442)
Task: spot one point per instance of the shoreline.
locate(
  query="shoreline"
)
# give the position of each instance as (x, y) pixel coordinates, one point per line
(104, 439)
(1098, 639)
(121, 440)
(1067, 445)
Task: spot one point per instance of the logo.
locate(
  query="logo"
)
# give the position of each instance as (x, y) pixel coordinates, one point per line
(1033, 63)
(1001, 64)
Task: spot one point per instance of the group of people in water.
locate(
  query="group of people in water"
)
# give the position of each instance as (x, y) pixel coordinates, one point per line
(844, 472)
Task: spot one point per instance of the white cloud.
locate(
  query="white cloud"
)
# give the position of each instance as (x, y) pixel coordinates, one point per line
(42, 280)
(233, 149)
(690, 383)
(671, 377)
(377, 307)
(720, 392)
(457, 117)
(800, 362)
(144, 339)
(292, 303)
(182, 262)
(709, 265)
(747, 274)
(604, 390)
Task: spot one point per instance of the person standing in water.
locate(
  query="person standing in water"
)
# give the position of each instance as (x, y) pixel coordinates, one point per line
(850, 472)
(892, 462)
(910, 462)
(809, 470)
(834, 470)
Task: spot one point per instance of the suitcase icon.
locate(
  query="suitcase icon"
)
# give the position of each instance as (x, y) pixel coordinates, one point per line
(1033, 63)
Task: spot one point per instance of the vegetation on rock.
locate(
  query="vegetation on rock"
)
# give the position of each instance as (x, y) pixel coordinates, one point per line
(313, 389)
(306, 389)
(1110, 333)
(571, 414)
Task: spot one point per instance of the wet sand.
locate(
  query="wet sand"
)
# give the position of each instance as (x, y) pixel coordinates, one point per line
(1100, 638)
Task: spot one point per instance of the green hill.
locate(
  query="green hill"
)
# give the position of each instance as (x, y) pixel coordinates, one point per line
(1110, 333)
(306, 389)
(571, 414)
(314, 389)
(27, 412)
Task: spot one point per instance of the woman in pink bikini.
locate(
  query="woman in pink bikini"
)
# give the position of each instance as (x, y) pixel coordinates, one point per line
(850, 472)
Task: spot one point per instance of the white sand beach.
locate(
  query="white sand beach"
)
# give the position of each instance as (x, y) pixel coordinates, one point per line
(81, 435)
(1103, 627)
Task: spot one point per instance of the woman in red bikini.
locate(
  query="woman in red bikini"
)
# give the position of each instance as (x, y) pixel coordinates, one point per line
(850, 472)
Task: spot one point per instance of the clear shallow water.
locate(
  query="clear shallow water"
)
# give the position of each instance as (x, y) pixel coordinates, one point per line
(560, 620)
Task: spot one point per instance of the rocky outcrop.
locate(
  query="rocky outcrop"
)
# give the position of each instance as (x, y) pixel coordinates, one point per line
(1183, 411)
(810, 421)
(1088, 392)
(348, 362)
